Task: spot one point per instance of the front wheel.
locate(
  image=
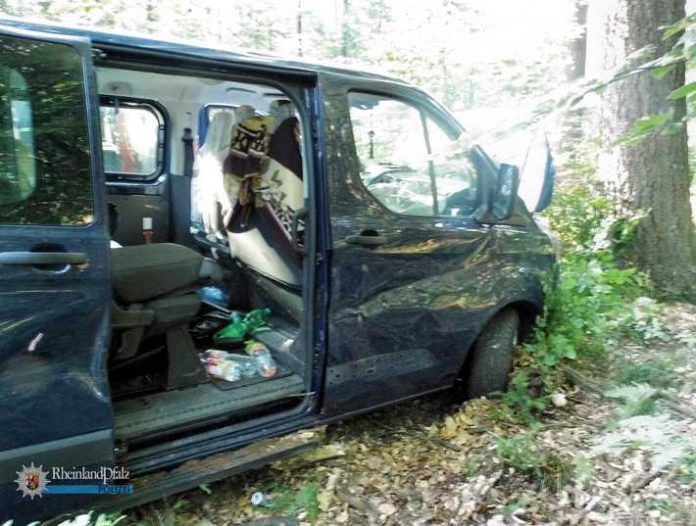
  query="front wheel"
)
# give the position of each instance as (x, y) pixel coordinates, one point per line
(491, 361)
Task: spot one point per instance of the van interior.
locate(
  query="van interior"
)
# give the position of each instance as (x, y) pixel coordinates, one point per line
(206, 191)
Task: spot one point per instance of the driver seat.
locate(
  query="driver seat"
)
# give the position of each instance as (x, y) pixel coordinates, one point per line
(155, 292)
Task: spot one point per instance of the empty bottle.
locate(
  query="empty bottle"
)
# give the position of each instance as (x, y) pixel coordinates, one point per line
(228, 366)
(218, 367)
(247, 364)
(264, 362)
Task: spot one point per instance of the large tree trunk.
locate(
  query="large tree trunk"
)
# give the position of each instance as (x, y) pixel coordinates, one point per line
(652, 177)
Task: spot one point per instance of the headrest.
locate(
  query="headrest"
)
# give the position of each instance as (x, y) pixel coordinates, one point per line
(244, 112)
(284, 146)
(219, 132)
(281, 109)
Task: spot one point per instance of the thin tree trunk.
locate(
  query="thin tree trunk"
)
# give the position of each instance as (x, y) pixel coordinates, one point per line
(345, 28)
(575, 70)
(652, 177)
(578, 44)
(299, 27)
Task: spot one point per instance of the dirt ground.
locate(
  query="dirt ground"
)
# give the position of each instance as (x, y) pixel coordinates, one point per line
(597, 459)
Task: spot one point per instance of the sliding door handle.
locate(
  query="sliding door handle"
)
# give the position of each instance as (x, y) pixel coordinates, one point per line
(366, 240)
(42, 258)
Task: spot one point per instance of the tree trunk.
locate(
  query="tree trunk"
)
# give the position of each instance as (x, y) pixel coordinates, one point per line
(299, 27)
(573, 120)
(651, 178)
(578, 44)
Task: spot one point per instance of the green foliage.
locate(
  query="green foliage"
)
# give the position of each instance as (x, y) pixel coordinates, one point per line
(472, 464)
(518, 399)
(583, 469)
(205, 488)
(636, 399)
(576, 216)
(686, 469)
(109, 519)
(660, 124)
(583, 299)
(657, 374)
(682, 51)
(526, 456)
(88, 519)
(512, 505)
(289, 502)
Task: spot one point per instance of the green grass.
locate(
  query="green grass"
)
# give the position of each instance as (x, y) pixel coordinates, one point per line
(656, 373)
(686, 470)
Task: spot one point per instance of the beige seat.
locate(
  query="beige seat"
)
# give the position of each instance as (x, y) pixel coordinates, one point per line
(154, 289)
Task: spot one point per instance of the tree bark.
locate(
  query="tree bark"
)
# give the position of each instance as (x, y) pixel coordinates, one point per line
(573, 120)
(653, 177)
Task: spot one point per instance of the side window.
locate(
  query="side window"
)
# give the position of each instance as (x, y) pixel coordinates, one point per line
(455, 174)
(393, 153)
(44, 141)
(207, 115)
(407, 161)
(132, 139)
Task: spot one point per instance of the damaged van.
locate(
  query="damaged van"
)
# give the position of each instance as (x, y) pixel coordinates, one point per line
(202, 250)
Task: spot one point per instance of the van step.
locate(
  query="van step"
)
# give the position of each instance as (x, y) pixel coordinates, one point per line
(194, 473)
(159, 413)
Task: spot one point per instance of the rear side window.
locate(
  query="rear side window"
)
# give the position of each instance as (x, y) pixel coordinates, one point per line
(132, 139)
(207, 115)
(44, 141)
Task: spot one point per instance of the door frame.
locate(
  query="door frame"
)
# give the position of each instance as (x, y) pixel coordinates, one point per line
(94, 447)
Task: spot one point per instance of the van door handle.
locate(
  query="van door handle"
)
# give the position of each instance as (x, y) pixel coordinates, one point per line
(42, 258)
(366, 240)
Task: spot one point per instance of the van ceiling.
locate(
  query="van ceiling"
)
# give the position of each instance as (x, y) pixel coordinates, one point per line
(166, 89)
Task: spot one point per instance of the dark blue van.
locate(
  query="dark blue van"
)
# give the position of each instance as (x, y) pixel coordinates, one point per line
(171, 214)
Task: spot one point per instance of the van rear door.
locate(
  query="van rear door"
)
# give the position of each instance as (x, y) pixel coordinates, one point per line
(55, 408)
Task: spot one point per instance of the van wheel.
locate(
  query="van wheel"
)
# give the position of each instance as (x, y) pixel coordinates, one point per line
(491, 360)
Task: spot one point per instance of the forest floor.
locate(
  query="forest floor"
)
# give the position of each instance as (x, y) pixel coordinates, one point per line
(624, 457)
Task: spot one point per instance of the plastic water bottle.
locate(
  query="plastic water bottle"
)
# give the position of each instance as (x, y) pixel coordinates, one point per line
(264, 362)
(246, 364)
(227, 366)
(260, 499)
(217, 366)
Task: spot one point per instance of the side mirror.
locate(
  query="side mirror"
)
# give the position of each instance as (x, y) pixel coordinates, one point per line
(538, 176)
(505, 191)
(549, 180)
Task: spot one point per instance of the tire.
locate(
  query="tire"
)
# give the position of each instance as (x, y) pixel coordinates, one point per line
(491, 361)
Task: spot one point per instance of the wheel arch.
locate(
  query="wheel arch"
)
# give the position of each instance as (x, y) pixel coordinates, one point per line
(528, 312)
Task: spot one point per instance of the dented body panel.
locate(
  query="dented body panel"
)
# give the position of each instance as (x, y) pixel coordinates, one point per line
(403, 315)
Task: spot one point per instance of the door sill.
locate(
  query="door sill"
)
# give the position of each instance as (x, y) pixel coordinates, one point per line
(158, 415)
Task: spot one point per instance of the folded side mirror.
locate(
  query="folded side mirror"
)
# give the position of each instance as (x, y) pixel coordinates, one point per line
(549, 182)
(505, 192)
(538, 176)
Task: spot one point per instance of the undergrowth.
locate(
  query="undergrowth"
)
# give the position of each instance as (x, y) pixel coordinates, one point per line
(584, 315)
(527, 457)
(584, 308)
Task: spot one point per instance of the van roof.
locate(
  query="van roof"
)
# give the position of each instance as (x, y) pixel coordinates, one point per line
(173, 46)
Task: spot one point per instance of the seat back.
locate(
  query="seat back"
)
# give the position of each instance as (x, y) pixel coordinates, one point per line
(264, 242)
(208, 195)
